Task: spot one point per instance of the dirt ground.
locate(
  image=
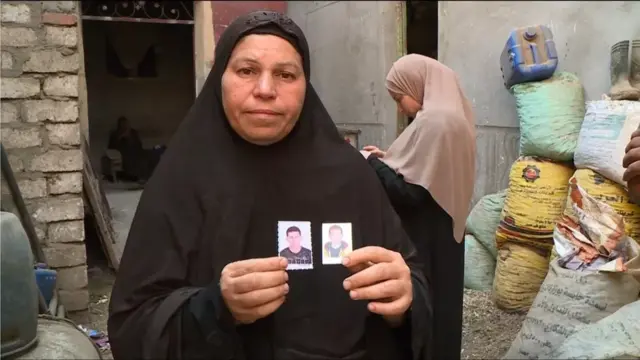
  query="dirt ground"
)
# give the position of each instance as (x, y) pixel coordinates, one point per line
(100, 283)
(487, 332)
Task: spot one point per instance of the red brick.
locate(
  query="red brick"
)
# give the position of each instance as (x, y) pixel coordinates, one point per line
(59, 19)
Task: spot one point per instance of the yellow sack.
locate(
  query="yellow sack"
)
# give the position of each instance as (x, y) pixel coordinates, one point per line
(520, 271)
(610, 193)
(535, 200)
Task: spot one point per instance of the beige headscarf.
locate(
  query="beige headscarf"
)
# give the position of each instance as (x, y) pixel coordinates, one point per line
(437, 150)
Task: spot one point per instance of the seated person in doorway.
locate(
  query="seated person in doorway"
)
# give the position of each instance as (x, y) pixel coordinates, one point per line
(335, 247)
(127, 141)
(295, 253)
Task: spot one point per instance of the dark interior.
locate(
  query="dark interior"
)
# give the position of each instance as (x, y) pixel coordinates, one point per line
(422, 28)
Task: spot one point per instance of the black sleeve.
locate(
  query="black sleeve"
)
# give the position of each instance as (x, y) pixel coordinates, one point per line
(208, 327)
(136, 139)
(399, 191)
(145, 321)
(112, 140)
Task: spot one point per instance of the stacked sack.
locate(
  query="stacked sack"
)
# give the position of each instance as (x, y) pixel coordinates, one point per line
(550, 113)
(606, 131)
(587, 306)
(583, 287)
(479, 242)
(610, 193)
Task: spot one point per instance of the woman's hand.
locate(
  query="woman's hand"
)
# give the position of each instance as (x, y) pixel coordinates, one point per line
(374, 151)
(254, 288)
(631, 159)
(382, 277)
(631, 162)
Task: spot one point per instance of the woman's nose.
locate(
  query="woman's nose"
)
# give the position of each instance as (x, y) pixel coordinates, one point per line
(265, 87)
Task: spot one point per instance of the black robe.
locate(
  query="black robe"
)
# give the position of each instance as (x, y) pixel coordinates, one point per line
(133, 154)
(215, 199)
(431, 231)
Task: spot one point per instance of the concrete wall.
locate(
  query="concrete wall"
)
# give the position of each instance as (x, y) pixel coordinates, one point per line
(353, 44)
(472, 36)
(41, 131)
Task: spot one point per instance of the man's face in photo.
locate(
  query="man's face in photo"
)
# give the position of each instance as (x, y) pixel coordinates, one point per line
(294, 238)
(335, 235)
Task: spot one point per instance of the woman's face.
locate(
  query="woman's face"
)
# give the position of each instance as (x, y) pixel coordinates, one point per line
(407, 105)
(263, 88)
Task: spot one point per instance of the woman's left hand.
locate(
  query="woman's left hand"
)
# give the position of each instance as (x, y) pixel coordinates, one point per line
(381, 276)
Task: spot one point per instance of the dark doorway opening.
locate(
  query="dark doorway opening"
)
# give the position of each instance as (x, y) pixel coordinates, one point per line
(422, 28)
(421, 32)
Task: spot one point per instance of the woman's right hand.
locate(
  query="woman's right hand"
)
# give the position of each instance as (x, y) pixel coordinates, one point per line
(254, 288)
(374, 151)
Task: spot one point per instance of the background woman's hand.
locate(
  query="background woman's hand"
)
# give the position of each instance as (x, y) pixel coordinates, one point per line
(382, 277)
(631, 159)
(374, 151)
(254, 288)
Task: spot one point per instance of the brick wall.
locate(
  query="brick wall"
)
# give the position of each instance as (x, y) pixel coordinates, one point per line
(41, 131)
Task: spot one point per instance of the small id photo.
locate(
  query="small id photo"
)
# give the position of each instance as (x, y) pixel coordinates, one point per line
(294, 243)
(337, 241)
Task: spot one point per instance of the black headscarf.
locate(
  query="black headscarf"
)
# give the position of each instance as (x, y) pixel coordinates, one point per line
(215, 199)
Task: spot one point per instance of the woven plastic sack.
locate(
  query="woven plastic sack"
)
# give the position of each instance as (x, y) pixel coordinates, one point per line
(605, 132)
(567, 301)
(479, 265)
(610, 193)
(535, 201)
(570, 299)
(550, 113)
(520, 271)
(484, 218)
(617, 336)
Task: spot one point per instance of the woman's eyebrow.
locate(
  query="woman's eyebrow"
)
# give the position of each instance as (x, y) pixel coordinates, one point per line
(279, 64)
(290, 64)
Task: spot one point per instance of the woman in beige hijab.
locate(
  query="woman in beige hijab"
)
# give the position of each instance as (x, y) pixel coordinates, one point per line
(428, 173)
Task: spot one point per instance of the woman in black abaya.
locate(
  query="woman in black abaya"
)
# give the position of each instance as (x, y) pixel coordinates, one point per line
(200, 277)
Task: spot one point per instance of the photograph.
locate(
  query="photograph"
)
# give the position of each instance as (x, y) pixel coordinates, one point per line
(337, 241)
(294, 243)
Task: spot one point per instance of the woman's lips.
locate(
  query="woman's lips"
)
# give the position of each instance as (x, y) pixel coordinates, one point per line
(264, 112)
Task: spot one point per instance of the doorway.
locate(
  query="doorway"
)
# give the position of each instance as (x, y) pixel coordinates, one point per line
(143, 72)
(139, 65)
(422, 28)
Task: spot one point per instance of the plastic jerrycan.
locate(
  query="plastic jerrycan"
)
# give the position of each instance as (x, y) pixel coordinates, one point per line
(529, 55)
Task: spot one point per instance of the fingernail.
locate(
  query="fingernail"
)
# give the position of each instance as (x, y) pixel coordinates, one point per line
(286, 276)
(283, 262)
(346, 284)
(345, 261)
(371, 307)
(286, 288)
(354, 295)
